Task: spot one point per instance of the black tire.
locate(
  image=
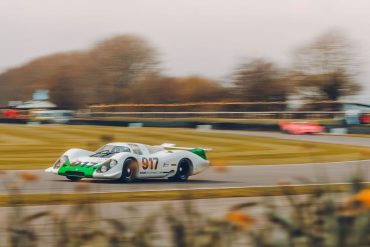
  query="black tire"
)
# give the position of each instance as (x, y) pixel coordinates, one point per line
(129, 171)
(183, 171)
(74, 179)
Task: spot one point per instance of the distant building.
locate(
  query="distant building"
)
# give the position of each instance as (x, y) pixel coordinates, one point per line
(356, 106)
(36, 104)
(356, 112)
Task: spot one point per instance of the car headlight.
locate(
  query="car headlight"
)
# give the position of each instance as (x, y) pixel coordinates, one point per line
(113, 163)
(107, 165)
(103, 168)
(62, 160)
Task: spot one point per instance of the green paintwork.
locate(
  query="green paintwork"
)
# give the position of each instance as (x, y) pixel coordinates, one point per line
(200, 152)
(84, 168)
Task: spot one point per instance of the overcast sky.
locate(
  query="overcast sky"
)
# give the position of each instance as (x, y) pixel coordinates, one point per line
(204, 37)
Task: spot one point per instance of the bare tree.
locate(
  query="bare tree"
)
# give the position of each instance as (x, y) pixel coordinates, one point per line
(156, 88)
(260, 80)
(327, 68)
(118, 62)
(75, 79)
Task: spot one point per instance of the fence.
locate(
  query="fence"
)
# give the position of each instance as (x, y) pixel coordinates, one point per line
(219, 114)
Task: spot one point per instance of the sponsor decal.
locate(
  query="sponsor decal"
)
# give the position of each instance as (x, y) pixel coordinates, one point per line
(166, 164)
(148, 172)
(173, 164)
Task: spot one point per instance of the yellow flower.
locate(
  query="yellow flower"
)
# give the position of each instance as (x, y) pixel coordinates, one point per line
(12, 186)
(240, 219)
(82, 186)
(28, 176)
(219, 165)
(363, 197)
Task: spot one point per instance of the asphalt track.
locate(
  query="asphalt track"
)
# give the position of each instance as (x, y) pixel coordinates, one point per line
(333, 139)
(229, 177)
(232, 177)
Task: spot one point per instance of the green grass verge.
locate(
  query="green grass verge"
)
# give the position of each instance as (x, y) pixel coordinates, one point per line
(37, 147)
(62, 199)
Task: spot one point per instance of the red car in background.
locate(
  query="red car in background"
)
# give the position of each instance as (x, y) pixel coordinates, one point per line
(10, 114)
(301, 128)
(365, 118)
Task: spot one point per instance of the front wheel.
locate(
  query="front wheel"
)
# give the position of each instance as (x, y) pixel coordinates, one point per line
(183, 171)
(74, 179)
(129, 170)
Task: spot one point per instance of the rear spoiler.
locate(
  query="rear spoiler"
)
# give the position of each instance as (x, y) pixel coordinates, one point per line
(172, 145)
(201, 152)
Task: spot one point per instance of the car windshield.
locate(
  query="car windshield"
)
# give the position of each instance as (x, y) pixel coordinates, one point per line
(110, 150)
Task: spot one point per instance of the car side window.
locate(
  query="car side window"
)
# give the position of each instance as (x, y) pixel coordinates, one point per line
(136, 149)
(121, 149)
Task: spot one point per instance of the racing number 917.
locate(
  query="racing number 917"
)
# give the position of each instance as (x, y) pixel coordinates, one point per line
(151, 163)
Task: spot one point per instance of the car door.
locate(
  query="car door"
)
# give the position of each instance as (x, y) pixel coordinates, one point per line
(149, 165)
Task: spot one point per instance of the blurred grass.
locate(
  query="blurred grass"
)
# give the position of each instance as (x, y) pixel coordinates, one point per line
(141, 196)
(36, 147)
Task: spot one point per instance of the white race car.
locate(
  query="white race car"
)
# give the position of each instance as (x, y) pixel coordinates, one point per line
(129, 161)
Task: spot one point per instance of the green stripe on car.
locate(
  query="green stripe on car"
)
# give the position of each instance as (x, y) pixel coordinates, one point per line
(81, 170)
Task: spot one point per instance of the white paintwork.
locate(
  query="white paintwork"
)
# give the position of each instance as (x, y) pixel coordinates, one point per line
(168, 161)
(172, 145)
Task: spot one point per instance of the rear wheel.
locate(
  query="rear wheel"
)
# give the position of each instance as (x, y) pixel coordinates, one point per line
(74, 179)
(129, 170)
(183, 171)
